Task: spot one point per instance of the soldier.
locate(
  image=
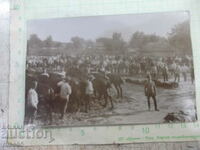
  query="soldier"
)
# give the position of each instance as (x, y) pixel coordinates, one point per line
(89, 91)
(150, 91)
(165, 73)
(173, 68)
(154, 72)
(65, 92)
(177, 73)
(184, 70)
(192, 73)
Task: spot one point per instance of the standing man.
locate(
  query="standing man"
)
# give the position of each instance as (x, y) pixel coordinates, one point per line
(177, 73)
(173, 68)
(154, 72)
(150, 91)
(88, 92)
(65, 92)
(32, 102)
(184, 72)
(165, 73)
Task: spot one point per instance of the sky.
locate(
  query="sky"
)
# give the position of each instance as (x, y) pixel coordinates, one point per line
(91, 28)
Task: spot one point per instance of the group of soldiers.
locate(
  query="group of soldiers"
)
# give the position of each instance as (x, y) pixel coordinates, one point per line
(66, 89)
(122, 65)
(138, 66)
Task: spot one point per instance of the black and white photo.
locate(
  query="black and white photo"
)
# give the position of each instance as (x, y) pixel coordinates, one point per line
(110, 70)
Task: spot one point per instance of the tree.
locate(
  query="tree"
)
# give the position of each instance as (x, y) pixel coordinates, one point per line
(34, 41)
(78, 43)
(58, 44)
(89, 44)
(137, 40)
(160, 46)
(116, 44)
(179, 38)
(48, 42)
(104, 44)
(117, 36)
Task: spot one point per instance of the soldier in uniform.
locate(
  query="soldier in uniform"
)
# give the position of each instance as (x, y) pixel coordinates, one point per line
(184, 70)
(150, 92)
(65, 92)
(165, 73)
(89, 91)
(154, 72)
(177, 73)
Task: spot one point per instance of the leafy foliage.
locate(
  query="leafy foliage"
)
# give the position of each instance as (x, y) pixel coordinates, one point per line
(177, 41)
(179, 38)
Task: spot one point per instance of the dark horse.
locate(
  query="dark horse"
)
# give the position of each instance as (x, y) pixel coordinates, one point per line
(78, 93)
(101, 86)
(117, 81)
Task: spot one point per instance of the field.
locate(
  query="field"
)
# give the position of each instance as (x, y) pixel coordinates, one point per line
(133, 109)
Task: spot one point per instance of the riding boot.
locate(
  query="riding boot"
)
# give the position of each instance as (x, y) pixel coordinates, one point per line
(155, 103)
(111, 102)
(148, 100)
(106, 99)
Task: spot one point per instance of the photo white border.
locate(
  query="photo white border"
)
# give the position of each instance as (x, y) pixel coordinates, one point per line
(21, 11)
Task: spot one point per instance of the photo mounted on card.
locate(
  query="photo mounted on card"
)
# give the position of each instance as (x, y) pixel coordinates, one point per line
(110, 70)
(118, 74)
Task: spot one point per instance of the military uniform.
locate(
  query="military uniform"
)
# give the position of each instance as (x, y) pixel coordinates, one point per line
(150, 91)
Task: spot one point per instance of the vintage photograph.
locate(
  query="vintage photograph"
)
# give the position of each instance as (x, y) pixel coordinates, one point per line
(110, 70)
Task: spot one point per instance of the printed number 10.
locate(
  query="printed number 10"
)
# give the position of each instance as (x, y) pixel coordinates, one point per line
(145, 130)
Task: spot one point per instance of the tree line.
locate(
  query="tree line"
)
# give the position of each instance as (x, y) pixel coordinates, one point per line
(177, 41)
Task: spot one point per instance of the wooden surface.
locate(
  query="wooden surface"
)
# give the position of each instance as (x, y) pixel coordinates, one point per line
(4, 45)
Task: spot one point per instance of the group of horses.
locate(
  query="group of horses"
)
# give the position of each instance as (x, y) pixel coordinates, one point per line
(48, 91)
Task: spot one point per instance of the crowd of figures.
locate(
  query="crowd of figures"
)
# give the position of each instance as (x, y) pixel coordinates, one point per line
(55, 81)
(122, 65)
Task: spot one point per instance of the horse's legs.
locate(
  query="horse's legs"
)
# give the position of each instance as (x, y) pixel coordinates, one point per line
(111, 101)
(78, 101)
(64, 107)
(121, 91)
(95, 93)
(87, 102)
(106, 99)
(99, 98)
(50, 113)
(118, 94)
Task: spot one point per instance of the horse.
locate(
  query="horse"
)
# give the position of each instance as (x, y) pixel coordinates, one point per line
(78, 91)
(101, 86)
(117, 81)
(50, 100)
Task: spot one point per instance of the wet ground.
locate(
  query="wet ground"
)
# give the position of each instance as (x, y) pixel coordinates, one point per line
(133, 109)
